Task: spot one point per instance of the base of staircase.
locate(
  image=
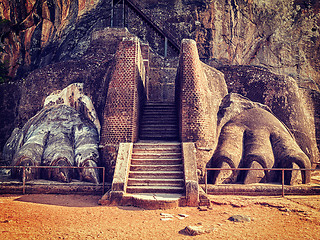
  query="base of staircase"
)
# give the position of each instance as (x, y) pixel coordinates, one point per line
(148, 201)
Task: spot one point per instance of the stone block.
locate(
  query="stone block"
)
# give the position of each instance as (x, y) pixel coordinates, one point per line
(120, 177)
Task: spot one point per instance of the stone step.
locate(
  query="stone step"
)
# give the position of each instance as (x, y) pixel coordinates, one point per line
(155, 145)
(149, 155)
(161, 119)
(159, 132)
(160, 110)
(163, 133)
(154, 189)
(159, 114)
(156, 174)
(161, 125)
(161, 137)
(155, 182)
(177, 167)
(173, 122)
(157, 150)
(156, 161)
(160, 104)
(159, 128)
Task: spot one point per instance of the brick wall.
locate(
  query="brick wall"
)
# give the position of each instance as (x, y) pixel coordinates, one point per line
(199, 91)
(125, 96)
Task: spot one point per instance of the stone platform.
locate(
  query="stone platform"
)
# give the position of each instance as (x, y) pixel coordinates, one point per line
(146, 200)
(15, 186)
(262, 189)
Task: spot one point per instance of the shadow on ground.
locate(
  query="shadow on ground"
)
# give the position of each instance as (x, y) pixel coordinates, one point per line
(61, 200)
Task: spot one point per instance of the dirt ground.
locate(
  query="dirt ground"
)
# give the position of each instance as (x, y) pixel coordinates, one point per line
(41, 216)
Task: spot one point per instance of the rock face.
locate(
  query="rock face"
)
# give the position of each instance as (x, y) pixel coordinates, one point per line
(47, 45)
(282, 35)
(41, 32)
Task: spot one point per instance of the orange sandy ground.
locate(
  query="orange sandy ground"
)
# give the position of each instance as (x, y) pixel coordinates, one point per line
(41, 216)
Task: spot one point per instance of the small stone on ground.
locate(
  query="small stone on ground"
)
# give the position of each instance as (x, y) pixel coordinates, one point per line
(196, 230)
(167, 215)
(240, 218)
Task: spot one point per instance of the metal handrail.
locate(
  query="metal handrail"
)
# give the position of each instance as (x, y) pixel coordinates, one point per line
(256, 169)
(168, 36)
(134, 5)
(54, 167)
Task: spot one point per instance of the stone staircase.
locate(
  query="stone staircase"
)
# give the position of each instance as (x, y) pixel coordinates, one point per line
(156, 167)
(159, 122)
(151, 172)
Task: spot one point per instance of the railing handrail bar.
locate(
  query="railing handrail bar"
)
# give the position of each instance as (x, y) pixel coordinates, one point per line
(256, 169)
(55, 167)
(72, 167)
(276, 169)
(165, 34)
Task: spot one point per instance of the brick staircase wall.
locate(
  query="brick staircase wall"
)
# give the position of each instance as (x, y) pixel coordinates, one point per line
(126, 95)
(199, 90)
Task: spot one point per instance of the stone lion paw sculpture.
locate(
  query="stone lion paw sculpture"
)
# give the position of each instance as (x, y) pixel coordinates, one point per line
(252, 137)
(64, 133)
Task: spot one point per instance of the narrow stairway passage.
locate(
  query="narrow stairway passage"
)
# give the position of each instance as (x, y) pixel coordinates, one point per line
(159, 122)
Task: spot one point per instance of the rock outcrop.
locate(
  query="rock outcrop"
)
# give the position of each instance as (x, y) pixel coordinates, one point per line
(267, 50)
(282, 35)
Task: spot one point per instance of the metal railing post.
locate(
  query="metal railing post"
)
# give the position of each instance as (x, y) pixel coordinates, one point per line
(51, 167)
(123, 14)
(206, 181)
(259, 169)
(165, 47)
(24, 180)
(282, 177)
(103, 180)
(111, 19)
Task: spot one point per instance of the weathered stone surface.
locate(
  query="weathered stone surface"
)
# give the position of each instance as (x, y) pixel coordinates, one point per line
(39, 27)
(240, 132)
(240, 218)
(9, 99)
(93, 70)
(120, 177)
(250, 136)
(58, 135)
(190, 174)
(196, 230)
(282, 35)
(282, 95)
(199, 88)
(73, 96)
